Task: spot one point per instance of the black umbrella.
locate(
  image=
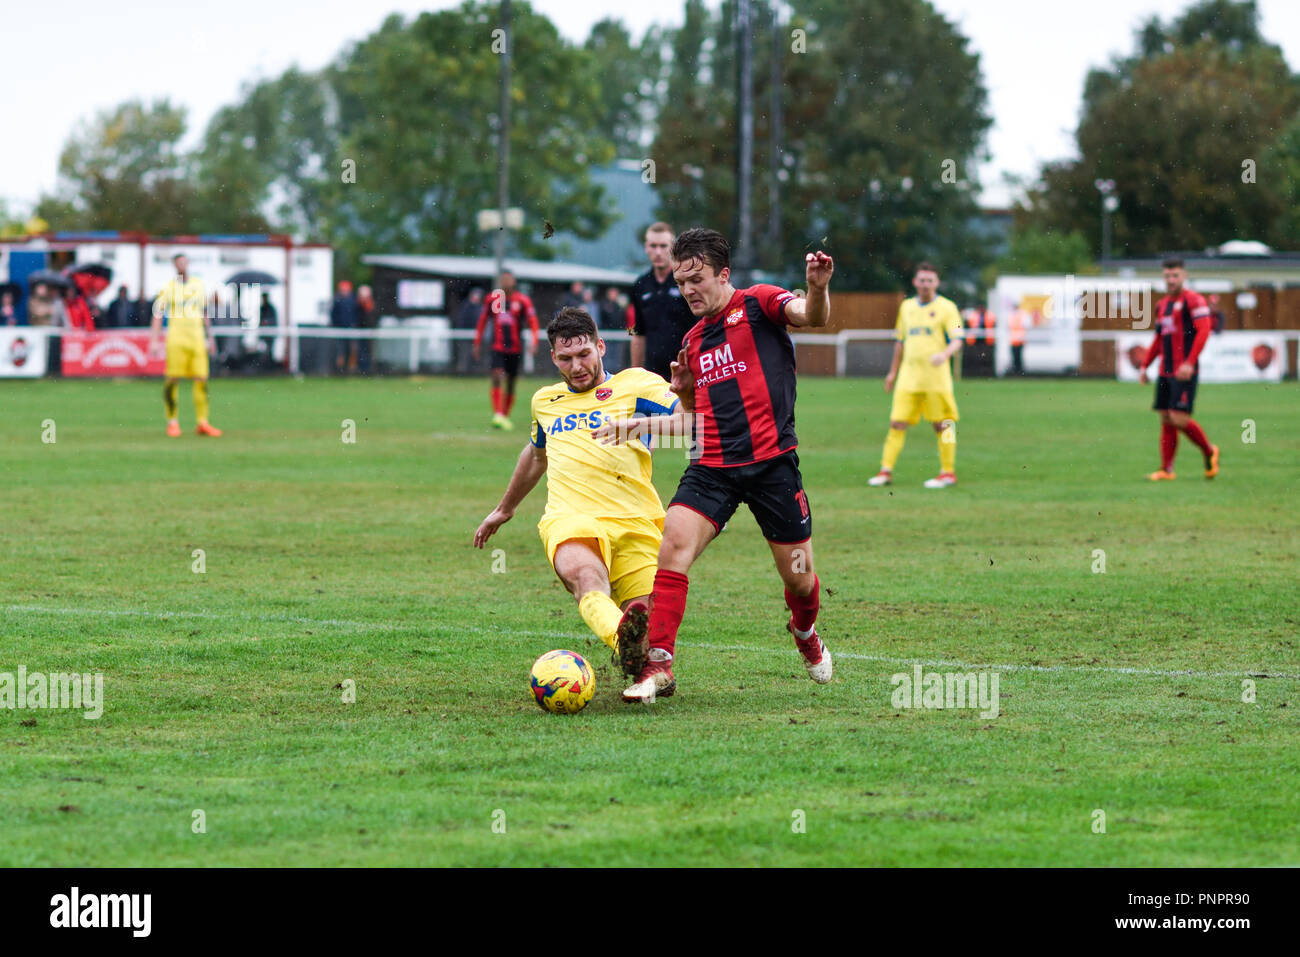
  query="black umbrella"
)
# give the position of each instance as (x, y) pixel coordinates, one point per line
(14, 289)
(49, 277)
(253, 277)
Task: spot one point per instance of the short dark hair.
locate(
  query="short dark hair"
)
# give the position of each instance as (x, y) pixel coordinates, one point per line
(571, 323)
(1173, 262)
(176, 256)
(707, 245)
(925, 266)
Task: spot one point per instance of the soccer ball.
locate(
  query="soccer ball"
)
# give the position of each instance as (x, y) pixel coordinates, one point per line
(562, 682)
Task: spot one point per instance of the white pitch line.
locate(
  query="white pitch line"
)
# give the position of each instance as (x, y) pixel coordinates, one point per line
(882, 659)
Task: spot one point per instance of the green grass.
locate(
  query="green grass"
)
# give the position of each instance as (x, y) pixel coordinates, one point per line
(327, 561)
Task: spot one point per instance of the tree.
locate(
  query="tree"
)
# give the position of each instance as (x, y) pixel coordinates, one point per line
(418, 107)
(1035, 251)
(884, 117)
(1173, 126)
(123, 169)
(629, 90)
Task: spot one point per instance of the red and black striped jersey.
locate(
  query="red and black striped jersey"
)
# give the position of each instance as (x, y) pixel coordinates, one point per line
(1183, 324)
(507, 335)
(742, 360)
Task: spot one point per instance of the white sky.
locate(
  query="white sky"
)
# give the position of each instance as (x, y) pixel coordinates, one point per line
(1034, 56)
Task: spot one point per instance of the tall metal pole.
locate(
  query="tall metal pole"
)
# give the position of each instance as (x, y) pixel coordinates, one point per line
(503, 138)
(744, 142)
(775, 134)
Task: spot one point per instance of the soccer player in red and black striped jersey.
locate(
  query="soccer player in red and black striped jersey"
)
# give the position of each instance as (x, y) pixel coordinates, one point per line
(508, 309)
(1183, 324)
(741, 364)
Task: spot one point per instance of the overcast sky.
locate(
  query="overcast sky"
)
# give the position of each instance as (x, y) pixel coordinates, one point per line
(65, 60)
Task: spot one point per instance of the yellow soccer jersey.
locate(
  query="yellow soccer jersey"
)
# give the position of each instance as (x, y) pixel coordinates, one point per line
(923, 331)
(183, 304)
(583, 476)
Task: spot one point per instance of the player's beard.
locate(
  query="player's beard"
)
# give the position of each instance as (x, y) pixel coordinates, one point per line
(596, 376)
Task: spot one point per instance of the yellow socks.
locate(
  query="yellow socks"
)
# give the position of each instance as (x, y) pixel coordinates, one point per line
(201, 400)
(170, 391)
(601, 615)
(893, 446)
(948, 450)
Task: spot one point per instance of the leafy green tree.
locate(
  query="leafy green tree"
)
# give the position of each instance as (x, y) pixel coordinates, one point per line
(123, 169)
(629, 91)
(418, 106)
(1173, 126)
(884, 114)
(1034, 251)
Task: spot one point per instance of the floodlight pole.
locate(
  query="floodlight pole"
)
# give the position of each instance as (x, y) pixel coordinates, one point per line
(744, 142)
(503, 140)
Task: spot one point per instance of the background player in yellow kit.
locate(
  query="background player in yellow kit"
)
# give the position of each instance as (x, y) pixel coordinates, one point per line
(603, 520)
(928, 335)
(189, 341)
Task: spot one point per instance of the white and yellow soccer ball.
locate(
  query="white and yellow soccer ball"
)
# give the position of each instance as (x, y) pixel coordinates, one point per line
(562, 682)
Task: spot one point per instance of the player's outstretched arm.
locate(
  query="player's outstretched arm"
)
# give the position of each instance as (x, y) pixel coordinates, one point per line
(528, 472)
(815, 310)
(621, 431)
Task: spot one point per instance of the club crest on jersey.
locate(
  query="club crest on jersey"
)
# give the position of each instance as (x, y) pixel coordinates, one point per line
(603, 394)
(735, 316)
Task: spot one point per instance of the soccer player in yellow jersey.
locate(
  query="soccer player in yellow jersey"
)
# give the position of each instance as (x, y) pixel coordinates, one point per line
(603, 521)
(189, 340)
(928, 335)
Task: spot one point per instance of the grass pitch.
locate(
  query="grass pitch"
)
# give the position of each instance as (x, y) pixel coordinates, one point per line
(327, 563)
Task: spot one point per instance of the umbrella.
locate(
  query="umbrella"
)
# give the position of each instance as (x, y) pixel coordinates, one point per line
(14, 289)
(253, 277)
(49, 277)
(93, 269)
(90, 284)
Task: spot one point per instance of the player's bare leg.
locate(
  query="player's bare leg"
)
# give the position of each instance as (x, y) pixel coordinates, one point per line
(686, 534)
(893, 446)
(794, 563)
(171, 390)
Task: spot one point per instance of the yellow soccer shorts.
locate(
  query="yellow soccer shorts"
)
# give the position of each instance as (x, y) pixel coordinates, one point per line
(187, 361)
(935, 406)
(629, 547)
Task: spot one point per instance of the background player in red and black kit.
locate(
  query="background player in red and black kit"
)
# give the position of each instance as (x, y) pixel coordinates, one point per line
(1183, 324)
(741, 363)
(508, 308)
(660, 316)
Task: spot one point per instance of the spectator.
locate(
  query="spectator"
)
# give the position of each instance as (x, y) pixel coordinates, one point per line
(268, 317)
(613, 311)
(343, 315)
(40, 308)
(366, 319)
(8, 310)
(1016, 326)
(467, 318)
(78, 312)
(118, 314)
(142, 315)
(576, 296)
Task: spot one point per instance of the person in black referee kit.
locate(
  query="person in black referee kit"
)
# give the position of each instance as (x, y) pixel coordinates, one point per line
(660, 316)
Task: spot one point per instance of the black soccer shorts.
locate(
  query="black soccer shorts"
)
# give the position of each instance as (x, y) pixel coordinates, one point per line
(772, 489)
(1175, 395)
(509, 361)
